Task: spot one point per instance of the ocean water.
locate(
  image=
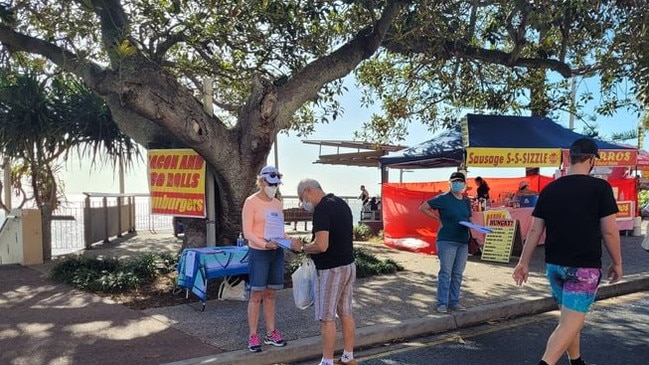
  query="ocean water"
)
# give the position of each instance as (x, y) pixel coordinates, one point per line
(68, 234)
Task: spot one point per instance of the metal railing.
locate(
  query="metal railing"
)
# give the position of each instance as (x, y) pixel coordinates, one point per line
(68, 233)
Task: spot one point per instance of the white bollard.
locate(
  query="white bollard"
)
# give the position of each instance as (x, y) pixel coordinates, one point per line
(637, 229)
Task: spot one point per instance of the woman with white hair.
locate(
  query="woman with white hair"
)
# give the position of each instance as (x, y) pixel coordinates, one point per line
(262, 222)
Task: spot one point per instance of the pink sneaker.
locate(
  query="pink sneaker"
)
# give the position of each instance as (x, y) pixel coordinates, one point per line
(253, 344)
(275, 339)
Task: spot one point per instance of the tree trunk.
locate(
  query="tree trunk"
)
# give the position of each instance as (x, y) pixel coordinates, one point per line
(46, 228)
(247, 146)
(195, 232)
(228, 200)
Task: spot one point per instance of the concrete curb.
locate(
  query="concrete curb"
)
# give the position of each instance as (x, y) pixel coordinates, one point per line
(308, 348)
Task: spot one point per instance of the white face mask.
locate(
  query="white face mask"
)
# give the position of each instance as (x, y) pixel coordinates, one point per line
(307, 206)
(270, 191)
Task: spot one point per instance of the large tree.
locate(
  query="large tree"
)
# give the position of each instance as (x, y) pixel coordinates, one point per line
(148, 58)
(277, 64)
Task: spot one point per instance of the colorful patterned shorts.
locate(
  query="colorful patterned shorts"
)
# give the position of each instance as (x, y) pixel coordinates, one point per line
(574, 287)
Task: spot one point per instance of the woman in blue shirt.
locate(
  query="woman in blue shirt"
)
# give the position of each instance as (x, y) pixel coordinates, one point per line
(452, 241)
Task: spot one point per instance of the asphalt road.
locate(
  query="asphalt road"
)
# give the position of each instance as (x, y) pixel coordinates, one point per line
(616, 333)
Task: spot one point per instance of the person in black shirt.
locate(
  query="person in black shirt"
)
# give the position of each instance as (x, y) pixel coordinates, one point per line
(577, 211)
(365, 195)
(483, 188)
(332, 252)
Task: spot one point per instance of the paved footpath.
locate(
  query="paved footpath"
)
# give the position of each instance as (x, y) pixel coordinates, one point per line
(42, 322)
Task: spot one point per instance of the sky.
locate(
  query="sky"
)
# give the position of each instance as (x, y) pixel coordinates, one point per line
(296, 159)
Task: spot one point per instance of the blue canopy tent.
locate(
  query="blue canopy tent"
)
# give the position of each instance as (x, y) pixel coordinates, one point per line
(447, 148)
(495, 136)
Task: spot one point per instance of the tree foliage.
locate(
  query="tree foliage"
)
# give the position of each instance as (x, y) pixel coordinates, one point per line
(444, 58)
(277, 65)
(42, 121)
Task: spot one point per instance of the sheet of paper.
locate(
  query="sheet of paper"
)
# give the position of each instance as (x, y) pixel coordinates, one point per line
(190, 263)
(274, 224)
(283, 242)
(478, 228)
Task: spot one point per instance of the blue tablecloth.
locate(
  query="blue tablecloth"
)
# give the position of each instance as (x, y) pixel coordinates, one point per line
(197, 265)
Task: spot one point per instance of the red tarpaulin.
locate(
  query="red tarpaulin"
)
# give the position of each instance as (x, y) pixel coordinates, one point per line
(405, 227)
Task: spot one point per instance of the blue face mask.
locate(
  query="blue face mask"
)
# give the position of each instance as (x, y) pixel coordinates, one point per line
(457, 186)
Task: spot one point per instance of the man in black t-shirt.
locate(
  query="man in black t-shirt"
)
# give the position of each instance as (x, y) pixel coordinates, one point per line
(332, 252)
(577, 211)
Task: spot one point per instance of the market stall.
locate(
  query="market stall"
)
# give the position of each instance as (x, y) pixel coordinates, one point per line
(406, 228)
(488, 141)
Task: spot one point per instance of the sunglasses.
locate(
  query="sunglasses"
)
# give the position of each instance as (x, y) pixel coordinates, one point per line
(273, 175)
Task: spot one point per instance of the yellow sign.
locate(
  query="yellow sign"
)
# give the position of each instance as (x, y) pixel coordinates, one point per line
(498, 243)
(177, 182)
(516, 157)
(625, 210)
(609, 158)
(490, 215)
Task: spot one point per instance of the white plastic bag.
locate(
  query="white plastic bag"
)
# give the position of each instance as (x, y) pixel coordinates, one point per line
(233, 288)
(645, 242)
(304, 284)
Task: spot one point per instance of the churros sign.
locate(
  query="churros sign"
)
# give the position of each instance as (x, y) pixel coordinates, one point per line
(177, 182)
(609, 158)
(625, 210)
(516, 157)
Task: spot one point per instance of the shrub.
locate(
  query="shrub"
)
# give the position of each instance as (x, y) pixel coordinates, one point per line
(378, 238)
(110, 275)
(366, 264)
(291, 265)
(362, 232)
(369, 265)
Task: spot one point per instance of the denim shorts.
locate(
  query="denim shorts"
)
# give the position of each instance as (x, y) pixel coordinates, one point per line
(266, 269)
(574, 287)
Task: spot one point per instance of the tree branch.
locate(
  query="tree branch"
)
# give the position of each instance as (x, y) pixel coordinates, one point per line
(162, 48)
(305, 84)
(114, 25)
(67, 60)
(453, 49)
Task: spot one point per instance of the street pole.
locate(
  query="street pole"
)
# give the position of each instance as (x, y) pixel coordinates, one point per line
(122, 189)
(210, 192)
(573, 96)
(6, 165)
(275, 149)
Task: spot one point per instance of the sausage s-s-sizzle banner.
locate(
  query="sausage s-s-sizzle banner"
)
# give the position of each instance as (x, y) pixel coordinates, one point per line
(177, 182)
(513, 157)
